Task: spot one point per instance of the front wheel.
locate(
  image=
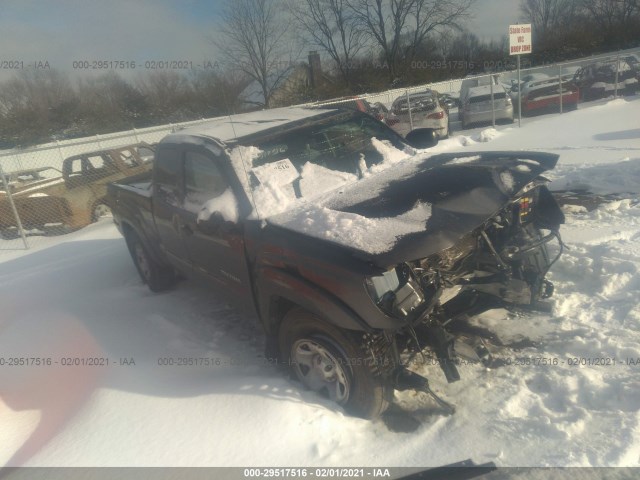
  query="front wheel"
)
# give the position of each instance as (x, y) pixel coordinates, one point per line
(157, 277)
(330, 361)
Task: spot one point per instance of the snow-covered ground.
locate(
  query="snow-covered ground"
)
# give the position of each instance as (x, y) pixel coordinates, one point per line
(79, 296)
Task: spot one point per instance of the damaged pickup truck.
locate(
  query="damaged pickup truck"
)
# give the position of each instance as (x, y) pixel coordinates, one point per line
(354, 247)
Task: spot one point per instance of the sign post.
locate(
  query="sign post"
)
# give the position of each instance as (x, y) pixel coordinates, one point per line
(519, 44)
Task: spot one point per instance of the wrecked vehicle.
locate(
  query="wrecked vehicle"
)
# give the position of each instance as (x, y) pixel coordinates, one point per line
(73, 197)
(19, 179)
(353, 247)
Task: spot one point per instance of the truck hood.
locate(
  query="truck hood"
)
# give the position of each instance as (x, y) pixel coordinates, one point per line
(418, 207)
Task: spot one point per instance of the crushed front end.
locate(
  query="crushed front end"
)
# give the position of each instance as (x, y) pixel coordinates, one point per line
(501, 263)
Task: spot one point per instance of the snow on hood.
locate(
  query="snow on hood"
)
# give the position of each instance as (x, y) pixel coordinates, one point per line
(415, 203)
(417, 208)
(374, 235)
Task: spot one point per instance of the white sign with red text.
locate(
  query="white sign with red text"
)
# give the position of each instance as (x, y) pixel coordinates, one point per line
(519, 39)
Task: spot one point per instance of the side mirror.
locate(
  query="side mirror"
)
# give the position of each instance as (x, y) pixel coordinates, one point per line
(422, 138)
(211, 225)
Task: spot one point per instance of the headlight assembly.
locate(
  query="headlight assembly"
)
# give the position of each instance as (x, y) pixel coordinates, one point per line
(395, 292)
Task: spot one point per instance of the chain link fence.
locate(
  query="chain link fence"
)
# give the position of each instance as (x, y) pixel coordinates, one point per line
(491, 98)
(61, 187)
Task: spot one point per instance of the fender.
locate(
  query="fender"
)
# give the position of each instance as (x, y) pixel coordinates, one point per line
(151, 247)
(275, 282)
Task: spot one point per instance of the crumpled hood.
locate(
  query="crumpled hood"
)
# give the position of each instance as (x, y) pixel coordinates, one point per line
(417, 208)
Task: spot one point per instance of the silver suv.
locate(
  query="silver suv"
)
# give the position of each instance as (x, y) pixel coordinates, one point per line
(477, 106)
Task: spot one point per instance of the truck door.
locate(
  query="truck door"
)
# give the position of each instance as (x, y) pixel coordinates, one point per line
(167, 204)
(215, 248)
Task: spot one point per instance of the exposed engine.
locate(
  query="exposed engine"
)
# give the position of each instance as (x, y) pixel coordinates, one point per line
(502, 263)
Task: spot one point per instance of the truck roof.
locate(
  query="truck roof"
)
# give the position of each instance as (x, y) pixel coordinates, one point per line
(232, 127)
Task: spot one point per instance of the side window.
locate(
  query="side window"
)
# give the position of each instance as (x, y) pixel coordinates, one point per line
(203, 176)
(146, 154)
(96, 161)
(203, 181)
(75, 167)
(166, 175)
(99, 166)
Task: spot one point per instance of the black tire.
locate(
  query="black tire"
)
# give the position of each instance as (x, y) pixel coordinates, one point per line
(338, 357)
(157, 277)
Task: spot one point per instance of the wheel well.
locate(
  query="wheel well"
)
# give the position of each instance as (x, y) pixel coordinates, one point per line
(95, 204)
(278, 308)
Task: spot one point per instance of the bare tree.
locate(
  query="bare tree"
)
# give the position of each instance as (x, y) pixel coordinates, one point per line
(215, 92)
(429, 16)
(35, 104)
(330, 25)
(614, 17)
(253, 39)
(466, 47)
(167, 93)
(386, 22)
(445, 41)
(550, 19)
(107, 103)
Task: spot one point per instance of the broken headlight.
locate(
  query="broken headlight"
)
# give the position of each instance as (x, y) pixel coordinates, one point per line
(395, 292)
(525, 206)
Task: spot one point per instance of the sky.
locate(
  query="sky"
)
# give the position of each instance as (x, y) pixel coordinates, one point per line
(58, 33)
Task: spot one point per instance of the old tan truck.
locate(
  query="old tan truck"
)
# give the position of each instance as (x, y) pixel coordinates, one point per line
(73, 197)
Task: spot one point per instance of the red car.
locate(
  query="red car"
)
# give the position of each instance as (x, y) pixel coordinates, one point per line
(543, 96)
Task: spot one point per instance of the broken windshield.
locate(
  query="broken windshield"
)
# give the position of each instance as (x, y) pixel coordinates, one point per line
(314, 157)
(336, 143)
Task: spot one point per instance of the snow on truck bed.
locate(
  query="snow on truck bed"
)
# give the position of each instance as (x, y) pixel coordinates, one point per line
(79, 296)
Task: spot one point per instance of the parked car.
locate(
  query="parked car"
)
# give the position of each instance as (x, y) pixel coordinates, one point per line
(530, 77)
(348, 256)
(633, 60)
(19, 179)
(472, 82)
(448, 101)
(380, 111)
(543, 96)
(598, 80)
(419, 110)
(477, 107)
(77, 196)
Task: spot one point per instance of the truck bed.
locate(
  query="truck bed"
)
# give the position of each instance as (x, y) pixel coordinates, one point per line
(131, 198)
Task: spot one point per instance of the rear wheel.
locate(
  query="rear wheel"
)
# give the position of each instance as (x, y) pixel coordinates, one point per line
(331, 361)
(157, 277)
